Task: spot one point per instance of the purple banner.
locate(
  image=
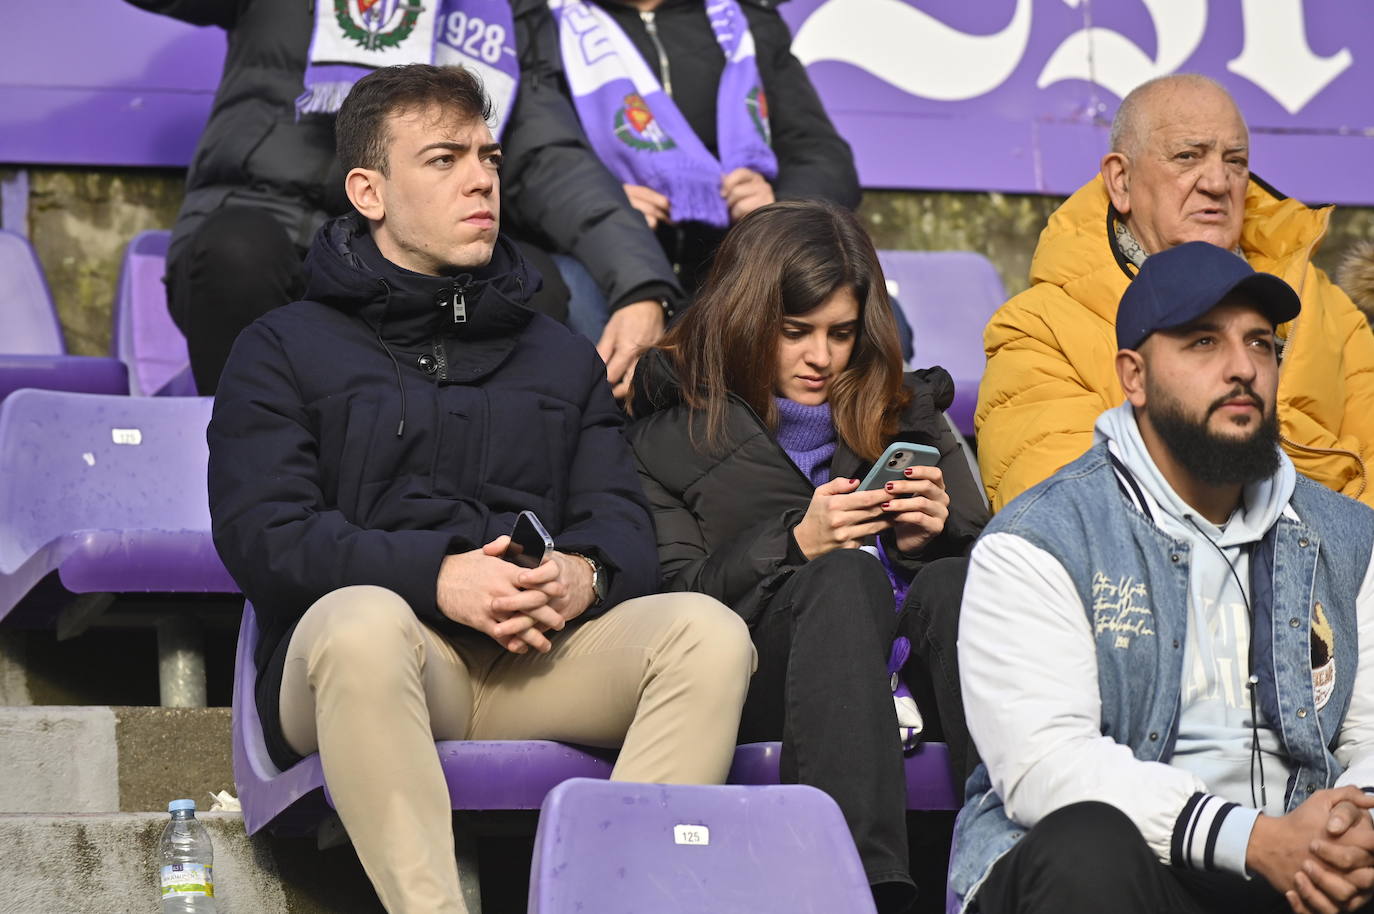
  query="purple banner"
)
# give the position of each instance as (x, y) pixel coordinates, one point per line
(1010, 95)
(1016, 95)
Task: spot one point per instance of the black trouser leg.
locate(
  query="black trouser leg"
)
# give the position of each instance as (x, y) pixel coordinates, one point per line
(822, 687)
(931, 621)
(1087, 858)
(238, 265)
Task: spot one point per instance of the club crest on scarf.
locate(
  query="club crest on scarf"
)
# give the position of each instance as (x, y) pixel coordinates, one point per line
(756, 102)
(377, 24)
(636, 127)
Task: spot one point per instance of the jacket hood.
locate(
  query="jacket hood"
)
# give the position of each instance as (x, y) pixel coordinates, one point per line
(1261, 502)
(655, 386)
(344, 270)
(1356, 276)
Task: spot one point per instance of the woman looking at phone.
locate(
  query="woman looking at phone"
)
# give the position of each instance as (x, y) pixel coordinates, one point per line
(757, 415)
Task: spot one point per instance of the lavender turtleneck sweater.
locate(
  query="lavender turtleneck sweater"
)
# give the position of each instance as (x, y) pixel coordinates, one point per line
(808, 436)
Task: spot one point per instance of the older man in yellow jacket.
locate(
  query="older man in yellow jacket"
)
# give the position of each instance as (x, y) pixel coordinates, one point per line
(1178, 171)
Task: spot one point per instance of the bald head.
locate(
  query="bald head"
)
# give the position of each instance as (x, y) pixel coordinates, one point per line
(1179, 164)
(1137, 113)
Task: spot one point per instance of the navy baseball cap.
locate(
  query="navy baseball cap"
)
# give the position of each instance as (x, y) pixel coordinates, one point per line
(1177, 286)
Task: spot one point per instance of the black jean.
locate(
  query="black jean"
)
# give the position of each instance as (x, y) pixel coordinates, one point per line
(822, 688)
(931, 622)
(238, 265)
(1089, 857)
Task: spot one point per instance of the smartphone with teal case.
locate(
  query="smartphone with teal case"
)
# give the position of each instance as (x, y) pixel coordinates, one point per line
(898, 456)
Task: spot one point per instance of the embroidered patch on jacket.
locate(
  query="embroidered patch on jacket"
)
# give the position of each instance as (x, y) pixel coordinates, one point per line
(1323, 656)
(1122, 608)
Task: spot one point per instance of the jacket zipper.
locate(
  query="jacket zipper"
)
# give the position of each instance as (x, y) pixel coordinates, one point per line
(666, 74)
(460, 298)
(457, 301)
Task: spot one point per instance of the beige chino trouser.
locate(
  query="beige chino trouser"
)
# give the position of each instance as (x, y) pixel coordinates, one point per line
(371, 688)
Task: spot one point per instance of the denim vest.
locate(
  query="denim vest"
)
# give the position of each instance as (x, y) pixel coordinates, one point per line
(1133, 582)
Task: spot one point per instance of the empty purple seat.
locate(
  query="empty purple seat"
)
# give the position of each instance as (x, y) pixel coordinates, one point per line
(619, 848)
(31, 326)
(929, 784)
(32, 351)
(947, 297)
(108, 491)
(145, 338)
(481, 774)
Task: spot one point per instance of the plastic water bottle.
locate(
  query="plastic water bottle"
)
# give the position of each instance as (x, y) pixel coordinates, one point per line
(187, 863)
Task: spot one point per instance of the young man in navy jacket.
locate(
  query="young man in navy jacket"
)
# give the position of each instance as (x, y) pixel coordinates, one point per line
(371, 446)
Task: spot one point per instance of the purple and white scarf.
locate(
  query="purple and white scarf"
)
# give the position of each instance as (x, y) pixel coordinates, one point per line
(354, 37)
(636, 128)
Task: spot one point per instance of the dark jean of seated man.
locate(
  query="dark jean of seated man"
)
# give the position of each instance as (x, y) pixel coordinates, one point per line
(370, 448)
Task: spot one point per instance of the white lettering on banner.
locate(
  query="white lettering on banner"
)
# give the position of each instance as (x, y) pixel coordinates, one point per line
(1117, 63)
(913, 50)
(922, 56)
(1277, 58)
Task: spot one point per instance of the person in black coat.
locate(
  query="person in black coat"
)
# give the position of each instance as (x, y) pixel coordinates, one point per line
(630, 263)
(755, 419)
(260, 185)
(370, 447)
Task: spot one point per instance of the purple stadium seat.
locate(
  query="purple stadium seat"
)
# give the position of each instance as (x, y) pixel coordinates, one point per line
(619, 848)
(144, 338)
(71, 373)
(929, 785)
(31, 326)
(481, 774)
(947, 297)
(109, 491)
(32, 351)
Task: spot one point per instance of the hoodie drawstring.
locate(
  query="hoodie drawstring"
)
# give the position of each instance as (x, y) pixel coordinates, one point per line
(400, 385)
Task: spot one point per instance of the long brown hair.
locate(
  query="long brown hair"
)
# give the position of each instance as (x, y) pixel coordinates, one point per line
(787, 259)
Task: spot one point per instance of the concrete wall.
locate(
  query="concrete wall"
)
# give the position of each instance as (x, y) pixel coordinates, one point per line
(80, 221)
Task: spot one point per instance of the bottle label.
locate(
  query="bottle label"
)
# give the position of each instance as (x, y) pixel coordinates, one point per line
(188, 880)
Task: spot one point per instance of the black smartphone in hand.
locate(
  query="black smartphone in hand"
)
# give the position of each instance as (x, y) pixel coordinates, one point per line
(530, 543)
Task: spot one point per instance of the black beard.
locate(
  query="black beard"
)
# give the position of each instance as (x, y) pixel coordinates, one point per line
(1213, 459)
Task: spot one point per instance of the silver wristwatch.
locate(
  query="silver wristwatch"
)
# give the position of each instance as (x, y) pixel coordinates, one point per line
(599, 583)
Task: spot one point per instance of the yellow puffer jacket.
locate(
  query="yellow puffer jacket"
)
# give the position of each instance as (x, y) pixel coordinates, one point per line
(1051, 351)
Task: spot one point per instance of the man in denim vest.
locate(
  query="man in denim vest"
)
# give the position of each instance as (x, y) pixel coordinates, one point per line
(1167, 647)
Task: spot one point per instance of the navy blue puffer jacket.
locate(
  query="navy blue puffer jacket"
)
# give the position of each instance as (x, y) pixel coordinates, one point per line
(361, 435)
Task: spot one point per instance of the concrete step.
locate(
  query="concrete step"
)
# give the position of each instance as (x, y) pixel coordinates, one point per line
(111, 759)
(107, 864)
(83, 800)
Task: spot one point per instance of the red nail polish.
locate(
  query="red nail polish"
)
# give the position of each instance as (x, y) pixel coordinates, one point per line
(888, 487)
(886, 503)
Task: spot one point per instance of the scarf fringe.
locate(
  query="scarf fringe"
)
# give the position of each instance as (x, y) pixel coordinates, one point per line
(323, 98)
